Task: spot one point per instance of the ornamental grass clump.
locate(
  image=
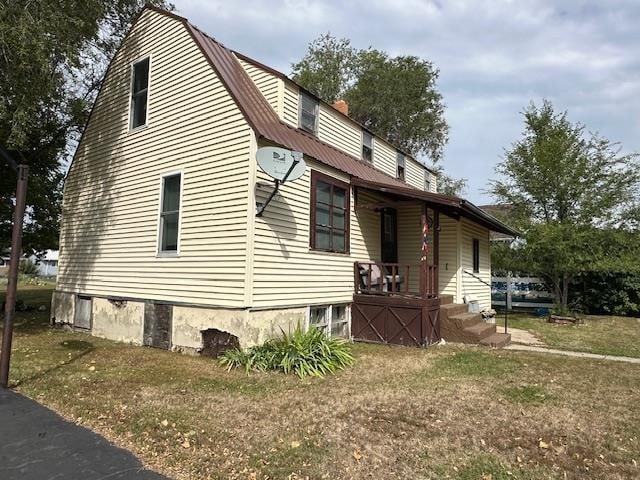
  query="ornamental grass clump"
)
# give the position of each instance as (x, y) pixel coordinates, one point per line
(305, 354)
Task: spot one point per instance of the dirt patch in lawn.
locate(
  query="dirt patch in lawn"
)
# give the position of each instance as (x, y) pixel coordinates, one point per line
(445, 412)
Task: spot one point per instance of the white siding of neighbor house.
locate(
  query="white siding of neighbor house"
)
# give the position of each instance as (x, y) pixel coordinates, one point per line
(471, 287)
(109, 229)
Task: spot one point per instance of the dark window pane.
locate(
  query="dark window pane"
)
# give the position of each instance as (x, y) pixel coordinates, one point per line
(322, 215)
(339, 197)
(338, 241)
(171, 194)
(367, 153)
(323, 192)
(338, 218)
(323, 238)
(169, 239)
(141, 75)
(139, 109)
(308, 113)
(400, 172)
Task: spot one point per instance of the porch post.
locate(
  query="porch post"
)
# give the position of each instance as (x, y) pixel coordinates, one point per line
(425, 251)
(436, 250)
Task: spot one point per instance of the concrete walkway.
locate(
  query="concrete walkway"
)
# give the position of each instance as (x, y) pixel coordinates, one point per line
(568, 353)
(38, 444)
(523, 337)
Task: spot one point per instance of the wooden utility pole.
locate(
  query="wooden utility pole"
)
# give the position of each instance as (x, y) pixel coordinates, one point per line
(14, 263)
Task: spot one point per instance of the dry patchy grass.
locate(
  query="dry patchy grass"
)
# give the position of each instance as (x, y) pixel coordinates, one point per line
(599, 334)
(446, 412)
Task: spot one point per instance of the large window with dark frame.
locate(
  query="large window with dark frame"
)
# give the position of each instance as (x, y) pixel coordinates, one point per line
(139, 93)
(400, 166)
(367, 146)
(170, 213)
(476, 255)
(308, 113)
(329, 214)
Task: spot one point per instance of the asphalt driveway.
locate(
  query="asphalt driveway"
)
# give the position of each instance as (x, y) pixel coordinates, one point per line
(38, 444)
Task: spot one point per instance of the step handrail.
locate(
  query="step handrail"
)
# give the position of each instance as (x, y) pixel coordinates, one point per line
(506, 318)
(476, 277)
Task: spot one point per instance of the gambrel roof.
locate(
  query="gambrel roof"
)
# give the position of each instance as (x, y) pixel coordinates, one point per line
(267, 125)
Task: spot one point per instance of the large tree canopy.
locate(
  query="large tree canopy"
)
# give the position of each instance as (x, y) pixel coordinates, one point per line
(574, 196)
(395, 97)
(53, 55)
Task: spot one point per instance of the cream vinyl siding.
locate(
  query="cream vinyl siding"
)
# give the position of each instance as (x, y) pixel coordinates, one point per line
(433, 181)
(286, 272)
(290, 104)
(471, 286)
(384, 157)
(448, 257)
(410, 242)
(267, 83)
(335, 130)
(109, 230)
(414, 174)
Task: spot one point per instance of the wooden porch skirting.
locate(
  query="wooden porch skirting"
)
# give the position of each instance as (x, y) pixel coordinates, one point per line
(410, 321)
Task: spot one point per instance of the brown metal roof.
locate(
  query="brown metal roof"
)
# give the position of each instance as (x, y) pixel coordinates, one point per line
(266, 124)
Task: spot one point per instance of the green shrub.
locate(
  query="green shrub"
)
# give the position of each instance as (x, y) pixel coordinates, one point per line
(310, 353)
(28, 268)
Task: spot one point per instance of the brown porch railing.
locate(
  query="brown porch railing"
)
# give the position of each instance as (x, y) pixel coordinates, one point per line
(415, 280)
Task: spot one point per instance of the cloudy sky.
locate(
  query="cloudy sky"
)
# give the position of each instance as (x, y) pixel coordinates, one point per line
(494, 56)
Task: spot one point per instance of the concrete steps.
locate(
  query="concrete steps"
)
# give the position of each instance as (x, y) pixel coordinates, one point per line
(497, 340)
(457, 324)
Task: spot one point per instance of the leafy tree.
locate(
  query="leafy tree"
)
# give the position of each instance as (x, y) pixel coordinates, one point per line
(53, 56)
(396, 97)
(449, 185)
(573, 195)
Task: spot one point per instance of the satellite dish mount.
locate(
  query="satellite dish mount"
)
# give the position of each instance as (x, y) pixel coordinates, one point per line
(281, 165)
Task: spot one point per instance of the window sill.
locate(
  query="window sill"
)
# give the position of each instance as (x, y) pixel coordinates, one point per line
(167, 255)
(329, 252)
(139, 128)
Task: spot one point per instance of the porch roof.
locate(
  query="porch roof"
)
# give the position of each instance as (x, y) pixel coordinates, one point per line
(449, 205)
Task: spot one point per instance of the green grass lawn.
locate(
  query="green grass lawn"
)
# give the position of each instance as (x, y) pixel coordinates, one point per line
(446, 412)
(599, 334)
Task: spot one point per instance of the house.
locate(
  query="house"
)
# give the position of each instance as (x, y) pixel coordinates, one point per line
(160, 243)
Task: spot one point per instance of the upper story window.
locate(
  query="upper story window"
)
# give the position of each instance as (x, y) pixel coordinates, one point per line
(367, 146)
(427, 181)
(476, 255)
(308, 113)
(400, 166)
(139, 93)
(170, 213)
(329, 214)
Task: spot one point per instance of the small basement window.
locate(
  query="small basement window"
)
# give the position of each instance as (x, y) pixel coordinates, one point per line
(82, 314)
(139, 93)
(331, 319)
(476, 255)
(170, 213)
(400, 166)
(367, 146)
(308, 113)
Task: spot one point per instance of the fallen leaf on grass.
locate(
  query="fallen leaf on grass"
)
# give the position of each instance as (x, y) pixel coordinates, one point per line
(543, 444)
(164, 423)
(357, 454)
(186, 444)
(295, 444)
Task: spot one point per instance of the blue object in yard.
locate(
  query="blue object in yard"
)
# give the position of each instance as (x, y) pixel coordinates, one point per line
(541, 311)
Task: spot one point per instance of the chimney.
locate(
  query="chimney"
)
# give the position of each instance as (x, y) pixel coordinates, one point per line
(341, 106)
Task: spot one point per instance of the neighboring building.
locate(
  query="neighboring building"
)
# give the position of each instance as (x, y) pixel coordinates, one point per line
(47, 264)
(160, 243)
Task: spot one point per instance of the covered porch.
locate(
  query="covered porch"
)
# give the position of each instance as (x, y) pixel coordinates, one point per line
(398, 290)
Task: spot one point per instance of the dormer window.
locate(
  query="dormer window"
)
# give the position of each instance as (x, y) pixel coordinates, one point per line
(308, 113)
(139, 93)
(400, 166)
(427, 182)
(367, 146)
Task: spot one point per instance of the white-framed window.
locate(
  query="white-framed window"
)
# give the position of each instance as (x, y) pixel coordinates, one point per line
(400, 166)
(308, 113)
(139, 93)
(427, 181)
(331, 319)
(169, 221)
(367, 146)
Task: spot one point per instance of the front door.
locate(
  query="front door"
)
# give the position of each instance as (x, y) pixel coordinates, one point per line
(389, 229)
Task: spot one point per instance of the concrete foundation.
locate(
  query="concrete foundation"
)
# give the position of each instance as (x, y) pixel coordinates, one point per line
(118, 320)
(123, 321)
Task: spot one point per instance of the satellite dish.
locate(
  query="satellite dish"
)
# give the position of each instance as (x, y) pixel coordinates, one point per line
(281, 164)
